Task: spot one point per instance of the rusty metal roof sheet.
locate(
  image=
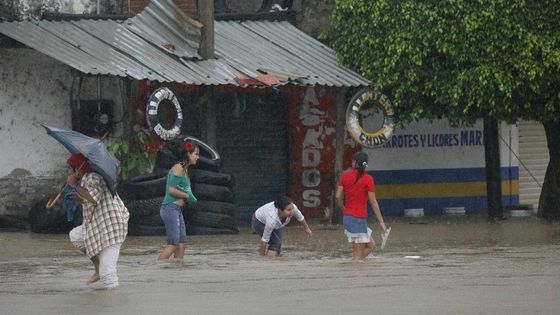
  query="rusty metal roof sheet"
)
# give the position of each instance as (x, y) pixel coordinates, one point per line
(161, 43)
(162, 24)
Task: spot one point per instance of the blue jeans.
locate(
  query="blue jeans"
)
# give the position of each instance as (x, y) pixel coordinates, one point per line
(175, 229)
(275, 242)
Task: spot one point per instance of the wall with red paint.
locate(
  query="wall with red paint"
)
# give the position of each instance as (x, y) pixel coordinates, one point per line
(312, 140)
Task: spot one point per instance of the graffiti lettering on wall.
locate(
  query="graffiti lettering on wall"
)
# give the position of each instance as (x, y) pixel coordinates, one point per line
(312, 153)
(318, 129)
(313, 117)
(462, 138)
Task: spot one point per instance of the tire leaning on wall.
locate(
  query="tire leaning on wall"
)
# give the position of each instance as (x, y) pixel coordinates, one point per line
(212, 178)
(152, 117)
(212, 192)
(143, 187)
(143, 207)
(210, 217)
(368, 97)
(149, 220)
(202, 230)
(225, 208)
(209, 157)
(165, 159)
(214, 220)
(146, 230)
(51, 221)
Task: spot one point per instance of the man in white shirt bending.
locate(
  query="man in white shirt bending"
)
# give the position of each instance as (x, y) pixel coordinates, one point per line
(269, 220)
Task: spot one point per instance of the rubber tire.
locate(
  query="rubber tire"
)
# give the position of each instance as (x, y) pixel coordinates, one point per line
(209, 157)
(212, 192)
(165, 160)
(51, 221)
(151, 220)
(144, 230)
(205, 163)
(201, 230)
(205, 149)
(225, 208)
(160, 94)
(8, 223)
(214, 220)
(143, 207)
(212, 178)
(142, 187)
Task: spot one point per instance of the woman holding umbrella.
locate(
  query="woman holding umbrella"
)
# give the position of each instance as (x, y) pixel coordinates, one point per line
(177, 192)
(92, 174)
(105, 221)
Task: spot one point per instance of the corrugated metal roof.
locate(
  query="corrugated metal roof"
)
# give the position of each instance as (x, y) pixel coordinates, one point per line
(164, 25)
(161, 43)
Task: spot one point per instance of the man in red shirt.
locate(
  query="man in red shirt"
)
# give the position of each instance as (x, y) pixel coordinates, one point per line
(356, 187)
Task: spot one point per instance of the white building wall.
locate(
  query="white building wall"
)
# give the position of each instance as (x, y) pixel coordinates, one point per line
(35, 88)
(433, 165)
(436, 144)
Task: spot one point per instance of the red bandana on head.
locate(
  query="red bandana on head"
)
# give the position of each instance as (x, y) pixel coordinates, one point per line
(77, 160)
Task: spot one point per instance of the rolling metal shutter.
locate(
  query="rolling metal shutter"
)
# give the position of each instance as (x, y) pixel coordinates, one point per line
(253, 143)
(533, 153)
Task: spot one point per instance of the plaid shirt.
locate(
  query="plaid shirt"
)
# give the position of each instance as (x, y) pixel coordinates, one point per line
(105, 223)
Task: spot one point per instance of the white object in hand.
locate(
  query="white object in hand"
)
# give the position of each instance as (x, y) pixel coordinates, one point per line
(384, 238)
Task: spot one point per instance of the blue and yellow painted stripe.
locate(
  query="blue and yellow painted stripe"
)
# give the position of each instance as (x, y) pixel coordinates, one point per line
(439, 188)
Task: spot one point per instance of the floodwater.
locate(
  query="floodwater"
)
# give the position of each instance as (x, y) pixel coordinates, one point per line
(440, 265)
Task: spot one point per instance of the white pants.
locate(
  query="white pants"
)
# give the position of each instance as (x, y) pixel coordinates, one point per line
(107, 258)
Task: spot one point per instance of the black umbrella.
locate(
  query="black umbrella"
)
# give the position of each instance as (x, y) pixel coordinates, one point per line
(95, 151)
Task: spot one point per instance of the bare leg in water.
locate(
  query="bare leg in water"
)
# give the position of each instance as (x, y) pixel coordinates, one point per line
(361, 250)
(369, 248)
(167, 252)
(179, 252)
(95, 277)
(358, 252)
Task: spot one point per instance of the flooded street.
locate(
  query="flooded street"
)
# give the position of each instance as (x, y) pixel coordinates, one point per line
(430, 266)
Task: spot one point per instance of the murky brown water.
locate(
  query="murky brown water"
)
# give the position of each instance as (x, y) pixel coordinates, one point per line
(465, 266)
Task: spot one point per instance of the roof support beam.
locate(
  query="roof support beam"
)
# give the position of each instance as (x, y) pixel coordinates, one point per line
(206, 17)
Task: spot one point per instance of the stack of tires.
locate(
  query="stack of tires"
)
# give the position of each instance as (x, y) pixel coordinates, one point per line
(214, 213)
(143, 195)
(51, 221)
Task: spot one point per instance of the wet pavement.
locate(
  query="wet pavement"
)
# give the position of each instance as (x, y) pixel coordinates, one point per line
(440, 265)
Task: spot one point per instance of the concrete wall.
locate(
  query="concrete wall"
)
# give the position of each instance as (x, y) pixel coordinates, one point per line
(312, 16)
(33, 9)
(35, 88)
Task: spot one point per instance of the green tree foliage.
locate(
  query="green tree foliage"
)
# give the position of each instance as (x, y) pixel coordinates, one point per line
(460, 59)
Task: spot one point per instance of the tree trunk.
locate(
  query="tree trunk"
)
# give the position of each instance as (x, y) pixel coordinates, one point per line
(493, 171)
(549, 202)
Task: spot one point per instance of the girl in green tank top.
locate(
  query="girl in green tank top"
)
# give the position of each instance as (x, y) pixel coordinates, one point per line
(177, 192)
(181, 183)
